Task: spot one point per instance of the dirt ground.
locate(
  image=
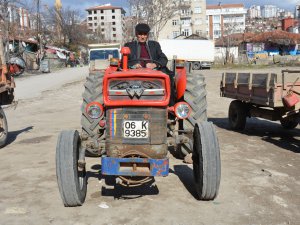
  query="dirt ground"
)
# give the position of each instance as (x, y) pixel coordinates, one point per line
(260, 180)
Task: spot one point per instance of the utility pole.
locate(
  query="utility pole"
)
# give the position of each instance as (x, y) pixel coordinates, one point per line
(58, 7)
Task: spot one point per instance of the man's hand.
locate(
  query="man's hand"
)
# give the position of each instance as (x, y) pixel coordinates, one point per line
(151, 65)
(137, 66)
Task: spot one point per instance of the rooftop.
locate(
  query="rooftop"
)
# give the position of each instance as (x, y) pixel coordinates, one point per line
(105, 7)
(223, 6)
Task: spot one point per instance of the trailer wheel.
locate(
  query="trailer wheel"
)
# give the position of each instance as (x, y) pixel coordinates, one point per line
(206, 161)
(3, 128)
(92, 92)
(237, 114)
(289, 123)
(72, 183)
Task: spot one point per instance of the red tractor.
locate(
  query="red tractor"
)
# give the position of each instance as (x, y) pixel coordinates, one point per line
(127, 121)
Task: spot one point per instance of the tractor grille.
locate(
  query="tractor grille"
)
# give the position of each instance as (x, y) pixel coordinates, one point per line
(150, 125)
(141, 89)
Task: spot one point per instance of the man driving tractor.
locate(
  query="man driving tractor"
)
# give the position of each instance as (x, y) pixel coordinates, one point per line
(145, 49)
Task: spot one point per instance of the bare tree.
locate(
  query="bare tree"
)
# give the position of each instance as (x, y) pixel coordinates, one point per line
(156, 13)
(65, 25)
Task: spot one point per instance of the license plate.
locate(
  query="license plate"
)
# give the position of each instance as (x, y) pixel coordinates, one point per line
(135, 129)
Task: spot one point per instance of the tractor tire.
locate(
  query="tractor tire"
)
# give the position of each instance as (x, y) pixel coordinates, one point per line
(206, 161)
(289, 123)
(195, 96)
(72, 183)
(237, 115)
(92, 92)
(3, 128)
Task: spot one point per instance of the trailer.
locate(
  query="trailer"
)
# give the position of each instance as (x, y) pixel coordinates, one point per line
(266, 95)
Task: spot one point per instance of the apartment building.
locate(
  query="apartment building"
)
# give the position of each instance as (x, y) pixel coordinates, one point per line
(269, 11)
(108, 21)
(189, 20)
(225, 19)
(254, 11)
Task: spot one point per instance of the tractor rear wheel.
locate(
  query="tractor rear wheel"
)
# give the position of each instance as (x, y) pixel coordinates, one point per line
(195, 96)
(237, 115)
(72, 183)
(92, 92)
(3, 128)
(206, 161)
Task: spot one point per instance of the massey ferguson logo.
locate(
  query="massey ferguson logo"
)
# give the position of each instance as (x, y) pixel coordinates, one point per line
(135, 90)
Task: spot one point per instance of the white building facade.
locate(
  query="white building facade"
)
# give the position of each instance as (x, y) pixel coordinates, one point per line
(225, 19)
(189, 20)
(108, 21)
(254, 11)
(269, 11)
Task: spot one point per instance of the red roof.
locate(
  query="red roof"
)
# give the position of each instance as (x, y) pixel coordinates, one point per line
(277, 36)
(222, 6)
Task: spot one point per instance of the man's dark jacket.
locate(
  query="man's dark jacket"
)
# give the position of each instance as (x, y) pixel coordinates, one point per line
(153, 48)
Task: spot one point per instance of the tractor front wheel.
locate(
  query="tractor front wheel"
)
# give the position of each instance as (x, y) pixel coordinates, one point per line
(3, 128)
(206, 161)
(72, 182)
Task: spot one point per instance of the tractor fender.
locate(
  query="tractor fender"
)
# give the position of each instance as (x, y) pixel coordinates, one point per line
(180, 82)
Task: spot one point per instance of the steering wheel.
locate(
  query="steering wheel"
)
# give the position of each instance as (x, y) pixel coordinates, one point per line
(158, 64)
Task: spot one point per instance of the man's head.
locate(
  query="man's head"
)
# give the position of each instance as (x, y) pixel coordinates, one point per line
(142, 31)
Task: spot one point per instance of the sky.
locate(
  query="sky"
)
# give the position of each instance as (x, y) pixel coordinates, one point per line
(83, 4)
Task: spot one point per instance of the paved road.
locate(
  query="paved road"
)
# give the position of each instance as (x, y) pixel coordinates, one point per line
(260, 168)
(33, 86)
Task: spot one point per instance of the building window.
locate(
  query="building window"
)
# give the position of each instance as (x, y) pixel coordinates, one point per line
(90, 18)
(113, 23)
(95, 24)
(102, 17)
(90, 12)
(174, 22)
(114, 29)
(186, 21)
(217, 33)
(102, 29)
(185, 12)
(102, 23)
(113, 11)
(95, 17)
(197, 10)
(114, 35)
(102, 11)
(186, 32)
(216, 18)
(114, 17)
(95, 12)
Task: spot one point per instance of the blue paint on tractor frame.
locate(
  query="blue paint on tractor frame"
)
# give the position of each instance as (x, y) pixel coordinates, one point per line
(134, 166)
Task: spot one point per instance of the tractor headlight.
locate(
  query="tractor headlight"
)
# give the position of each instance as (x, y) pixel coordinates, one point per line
(94, 110)
(182, 110)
